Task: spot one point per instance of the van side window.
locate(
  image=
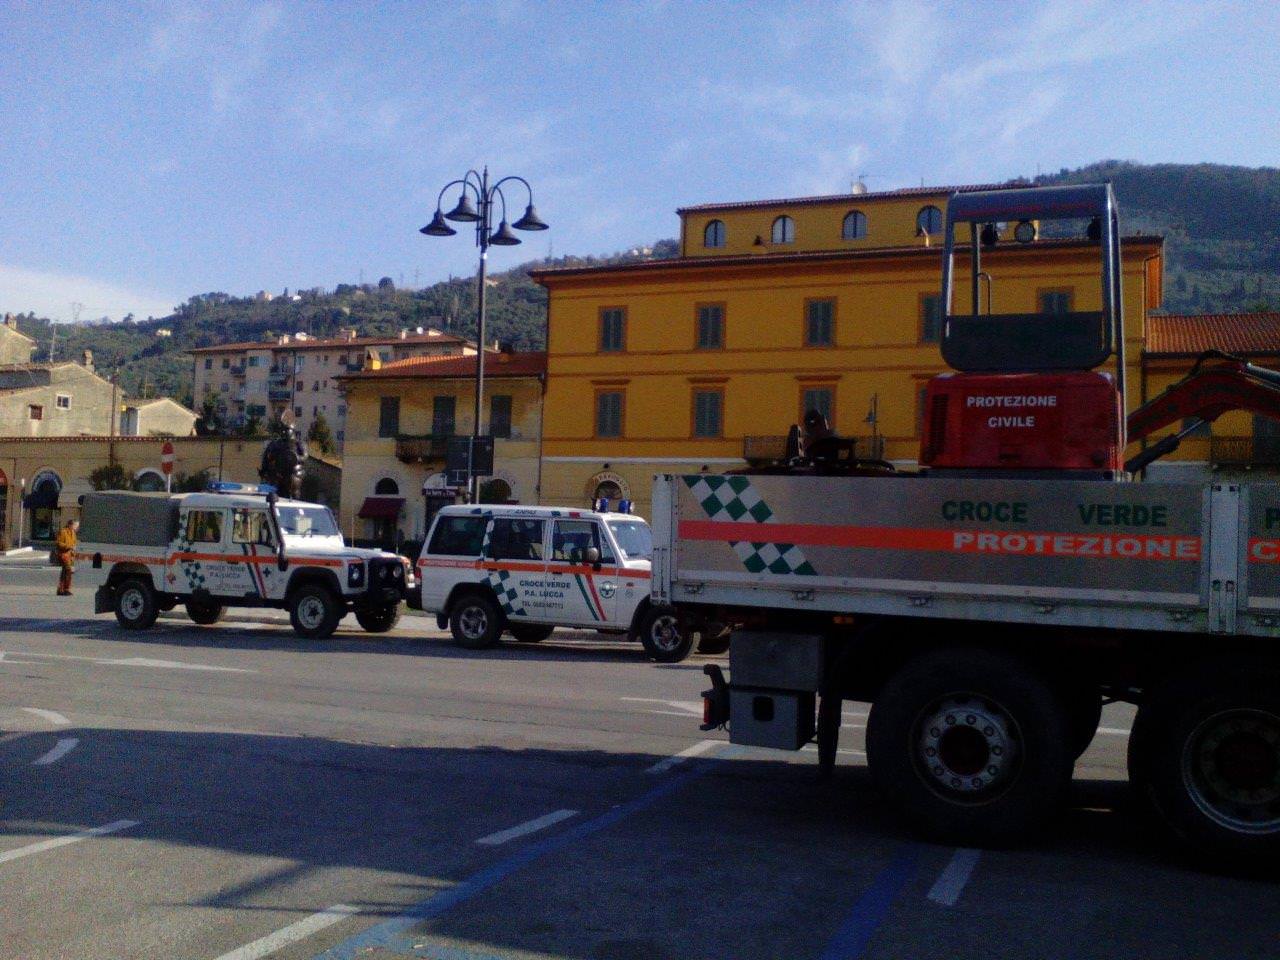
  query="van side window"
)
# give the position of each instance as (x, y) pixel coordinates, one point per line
(204, 526)
(516, 539)
(458, 536)
(572, 537)
(250, 526)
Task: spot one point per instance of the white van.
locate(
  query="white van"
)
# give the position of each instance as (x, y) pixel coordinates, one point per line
(488, 568)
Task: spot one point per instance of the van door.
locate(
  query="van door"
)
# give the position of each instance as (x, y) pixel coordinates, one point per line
(517, 568)
(200, 562)
(590, 595)
(451, 556)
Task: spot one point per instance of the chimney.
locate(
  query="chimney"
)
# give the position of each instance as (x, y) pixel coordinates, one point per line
(404, 333)
(87, 363)
(8, 320)
(351, 334)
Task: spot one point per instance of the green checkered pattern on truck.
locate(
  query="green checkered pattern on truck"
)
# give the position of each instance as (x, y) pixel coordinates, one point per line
(734, 499)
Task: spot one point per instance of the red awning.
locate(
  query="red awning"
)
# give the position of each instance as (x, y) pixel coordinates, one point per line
(380, 508)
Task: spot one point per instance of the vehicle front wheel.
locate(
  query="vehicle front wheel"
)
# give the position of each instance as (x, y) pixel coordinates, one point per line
(205, 612)
(314, 611)
(475, 622)
(379, 619)
(662, 636)
(972, 747)
(531, 632)
(136, 604)
(713, 639)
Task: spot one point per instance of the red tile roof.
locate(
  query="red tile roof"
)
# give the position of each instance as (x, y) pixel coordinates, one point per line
(495, 365)
(851, 198)
(331, 343)
(1178, 335)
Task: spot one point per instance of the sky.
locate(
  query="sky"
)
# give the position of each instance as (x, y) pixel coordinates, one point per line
(149, 152)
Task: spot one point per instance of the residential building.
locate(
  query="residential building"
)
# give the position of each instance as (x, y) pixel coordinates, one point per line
(61, 399)
(297, 374)
(1237, 440)
(704, 361)
(400, 417)
(158, 417)
(15, 346)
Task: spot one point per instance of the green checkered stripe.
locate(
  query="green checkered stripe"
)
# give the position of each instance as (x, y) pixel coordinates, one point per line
(191, 569)
(505, 590)
(734, 499)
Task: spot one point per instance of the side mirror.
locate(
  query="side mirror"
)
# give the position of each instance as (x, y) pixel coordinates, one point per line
(591, 555)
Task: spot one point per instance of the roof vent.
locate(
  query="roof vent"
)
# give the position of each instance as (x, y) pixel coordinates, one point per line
(858, 187)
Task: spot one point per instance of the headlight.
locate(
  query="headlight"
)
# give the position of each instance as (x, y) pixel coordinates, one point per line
(355, 574)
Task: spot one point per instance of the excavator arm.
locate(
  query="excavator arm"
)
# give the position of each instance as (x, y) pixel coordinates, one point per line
(1217, 383)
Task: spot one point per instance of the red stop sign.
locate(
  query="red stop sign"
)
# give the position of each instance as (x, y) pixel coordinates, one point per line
(166, 458)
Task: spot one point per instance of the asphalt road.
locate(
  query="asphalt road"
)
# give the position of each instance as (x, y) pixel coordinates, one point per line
(232, 792)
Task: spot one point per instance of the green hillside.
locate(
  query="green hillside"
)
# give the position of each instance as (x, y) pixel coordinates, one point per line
(1222, 229)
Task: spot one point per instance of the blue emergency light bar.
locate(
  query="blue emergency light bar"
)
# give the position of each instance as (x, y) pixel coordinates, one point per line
(602, 506)
(227, 486)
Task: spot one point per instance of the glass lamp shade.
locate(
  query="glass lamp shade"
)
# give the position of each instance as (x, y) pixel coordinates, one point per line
(437, 227)
(530, 220)
(464, 212)
(503, 237)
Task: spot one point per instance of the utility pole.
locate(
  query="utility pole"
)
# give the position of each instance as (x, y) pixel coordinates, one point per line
(111, 437)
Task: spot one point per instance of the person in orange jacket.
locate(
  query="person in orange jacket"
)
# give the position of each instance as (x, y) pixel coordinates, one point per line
(65, 547)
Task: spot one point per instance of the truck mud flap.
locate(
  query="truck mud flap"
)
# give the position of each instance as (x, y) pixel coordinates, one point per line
(103, 599)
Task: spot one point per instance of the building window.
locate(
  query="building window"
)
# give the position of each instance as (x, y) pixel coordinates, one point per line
(208, 363)
(442, 411)
(224, 388)
(500, 415)
(784, 230)
(388, 416)
(255, 361)
(297, 411)
(609, 413)
(1055, 302)
(820, 323)
(35, 411)
(930, 318)
(342, 409)
(713, 236)
(315, 386)
(613, 322)
(226, 363)
(854, 226)
(922, 394)
(62, 401)
(340, 435)
(710, 326)
(821, 399)
(708, 413)
(386, 487)
(929, 220)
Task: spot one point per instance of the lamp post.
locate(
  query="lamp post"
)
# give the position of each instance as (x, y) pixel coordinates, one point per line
(480, 212)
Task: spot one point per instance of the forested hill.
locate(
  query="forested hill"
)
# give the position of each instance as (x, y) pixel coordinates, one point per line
(1221, 224)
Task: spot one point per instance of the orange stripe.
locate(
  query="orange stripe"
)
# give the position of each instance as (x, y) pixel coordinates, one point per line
(1007, 543)
(238, 558)
(505, 565)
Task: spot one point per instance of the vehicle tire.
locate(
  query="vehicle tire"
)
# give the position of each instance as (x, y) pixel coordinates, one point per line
(314, 611)
(205, 612)
(971, 746)
(379, 619)
(531, 632)
(713, 639)
(662, 637)
(1204, 756)
(135, 604)
(475, 622)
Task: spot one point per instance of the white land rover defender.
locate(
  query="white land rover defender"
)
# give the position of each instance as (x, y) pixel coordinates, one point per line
(233, 546)
(485, 569)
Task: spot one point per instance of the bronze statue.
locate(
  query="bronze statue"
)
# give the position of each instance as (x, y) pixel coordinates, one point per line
(282, 462)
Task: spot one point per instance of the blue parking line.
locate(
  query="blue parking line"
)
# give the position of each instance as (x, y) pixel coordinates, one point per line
(872, 908)
(386, 933)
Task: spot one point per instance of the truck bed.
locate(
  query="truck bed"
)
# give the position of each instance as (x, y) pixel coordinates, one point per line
(1189, 558)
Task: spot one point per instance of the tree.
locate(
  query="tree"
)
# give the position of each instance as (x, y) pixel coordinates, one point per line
(387, 284)
(210, 423)
(253, 427)
(192, 483)
(320, 435)
(109, 477)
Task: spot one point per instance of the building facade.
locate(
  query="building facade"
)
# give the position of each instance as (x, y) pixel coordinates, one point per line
(158, 417)
(400, 417)
(15, 346)
(297, 374)
(55, 400)
(703, 362)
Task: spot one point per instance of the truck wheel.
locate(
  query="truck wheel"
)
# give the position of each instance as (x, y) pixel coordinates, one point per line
(971, 746)
(135, 604)
(714, 638)
(314, 611)
(475, 622)
(531, 632)
(379, 619)
(205, 612)
(1204, 755)
(662, 637)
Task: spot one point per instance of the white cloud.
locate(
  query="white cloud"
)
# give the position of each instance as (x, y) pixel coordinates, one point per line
(51, 295)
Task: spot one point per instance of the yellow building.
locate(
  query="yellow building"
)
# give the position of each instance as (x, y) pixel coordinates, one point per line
(400, 416)
(703, 362)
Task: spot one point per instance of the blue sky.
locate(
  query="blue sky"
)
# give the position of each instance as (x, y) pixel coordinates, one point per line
(149, 152)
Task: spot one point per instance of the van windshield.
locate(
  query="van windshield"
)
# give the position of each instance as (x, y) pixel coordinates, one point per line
(634, 539)
(307, 522)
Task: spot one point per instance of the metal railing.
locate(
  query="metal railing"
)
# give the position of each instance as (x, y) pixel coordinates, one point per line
(1245, 451)
(419, 449)
(768, 448)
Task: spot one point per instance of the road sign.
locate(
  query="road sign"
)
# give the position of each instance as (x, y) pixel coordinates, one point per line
(166, 458)
(463, 460)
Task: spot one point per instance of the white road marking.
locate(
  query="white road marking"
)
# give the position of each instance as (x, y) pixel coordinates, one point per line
(55, 842)
(57, 719)
(950, 884)
(526, 828)
(813, 748)
(134, 662)
(699, 748)
(1114, 731)
(64, 746)
(692, 708)
(294, 932)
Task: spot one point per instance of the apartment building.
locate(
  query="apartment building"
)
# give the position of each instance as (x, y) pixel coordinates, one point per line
(298, 374)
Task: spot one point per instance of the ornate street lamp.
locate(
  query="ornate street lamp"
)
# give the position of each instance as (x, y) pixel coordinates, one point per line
(480, 212)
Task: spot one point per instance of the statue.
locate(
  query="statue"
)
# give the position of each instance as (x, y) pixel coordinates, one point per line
(282, 462)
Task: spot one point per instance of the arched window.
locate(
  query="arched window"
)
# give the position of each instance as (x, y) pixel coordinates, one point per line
(148, 481)
(607, 489)
(784, 230)
(713, 235)
(929, 220)
(496, 490)
(386, 487)
(854, 226)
